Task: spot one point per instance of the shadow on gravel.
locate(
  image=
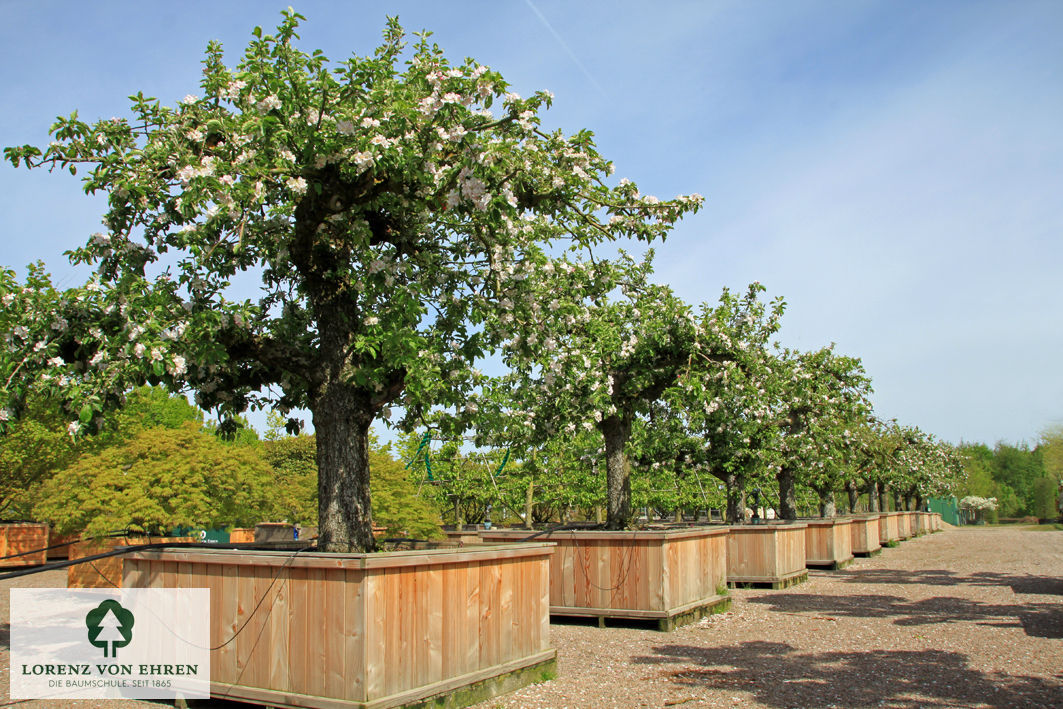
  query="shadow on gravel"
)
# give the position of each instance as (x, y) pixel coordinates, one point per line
(1037, 585)
(779, 677)
(1040, 619)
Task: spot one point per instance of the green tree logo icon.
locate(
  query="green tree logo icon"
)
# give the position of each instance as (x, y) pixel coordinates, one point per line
(110, 624)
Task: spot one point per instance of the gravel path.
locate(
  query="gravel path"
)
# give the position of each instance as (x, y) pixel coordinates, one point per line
(970, 617)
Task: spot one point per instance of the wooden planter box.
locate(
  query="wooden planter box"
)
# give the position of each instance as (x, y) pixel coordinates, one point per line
(242, 535)
(904, 525)
(888, 528)
(104, 573)
(673, 576)
(23, 537)
(829, 543)
(772, 554)
(266, 532)
(465, 536)
(864, 535)
(935, 522)
(924, 523)
(62, 544)
(367, 630)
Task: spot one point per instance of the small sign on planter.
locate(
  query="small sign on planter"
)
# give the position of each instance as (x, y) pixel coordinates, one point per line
(135, 643)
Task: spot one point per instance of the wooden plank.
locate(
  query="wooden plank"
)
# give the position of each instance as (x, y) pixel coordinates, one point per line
(376, 633)
(506, 602)
(453, 603)
(354, 649)
(490, 597)
(568, 573)
(318, 619)
(270, 664)
(471, 626)
(434, 604)
(224, 613)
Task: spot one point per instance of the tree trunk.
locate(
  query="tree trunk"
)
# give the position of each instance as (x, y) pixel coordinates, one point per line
(873, 502)
(854, 496)
(736, 499)
(787, 493)
(919, 502)
(459, 519)
(897, 502)
(344, 513)
(616, 431)
(884, 497)
(827, 508)
(529, 500)
(907, 502)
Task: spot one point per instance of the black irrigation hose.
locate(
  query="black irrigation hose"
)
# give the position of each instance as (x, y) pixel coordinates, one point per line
(571, 526)
(118, 551)
(111, 535)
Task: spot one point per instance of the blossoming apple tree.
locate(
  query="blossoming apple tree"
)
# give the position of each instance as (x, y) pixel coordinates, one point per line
(396, 214)
(604, 362)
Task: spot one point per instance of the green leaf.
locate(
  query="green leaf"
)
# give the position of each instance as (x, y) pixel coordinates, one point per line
(86, 414)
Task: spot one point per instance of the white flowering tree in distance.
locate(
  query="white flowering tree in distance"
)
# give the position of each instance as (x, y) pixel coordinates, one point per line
(396, 208)
(605, 362)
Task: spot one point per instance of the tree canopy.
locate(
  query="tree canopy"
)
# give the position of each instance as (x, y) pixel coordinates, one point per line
(396, 208)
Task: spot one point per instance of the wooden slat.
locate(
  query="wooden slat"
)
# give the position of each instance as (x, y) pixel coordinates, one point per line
(376, 633)
(490, 598)
(271, 665)
(353, 591)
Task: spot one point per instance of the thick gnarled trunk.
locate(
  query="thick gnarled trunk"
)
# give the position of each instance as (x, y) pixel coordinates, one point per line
(854, 496)
(787, 493)
(873, 502)
(344, 514)
(617, 430)
(827, 507)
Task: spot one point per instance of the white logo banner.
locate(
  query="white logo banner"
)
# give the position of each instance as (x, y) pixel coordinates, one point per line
(137, 643)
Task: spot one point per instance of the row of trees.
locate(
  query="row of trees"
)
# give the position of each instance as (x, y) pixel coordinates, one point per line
(407, 216)
(1024, 481)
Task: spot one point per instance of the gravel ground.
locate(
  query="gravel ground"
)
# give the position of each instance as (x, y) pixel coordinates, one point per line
(970, 617)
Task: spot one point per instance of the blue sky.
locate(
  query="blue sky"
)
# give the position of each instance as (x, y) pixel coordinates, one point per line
(893, 169)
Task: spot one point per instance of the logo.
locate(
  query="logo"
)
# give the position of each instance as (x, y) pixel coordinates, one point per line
(110, 624)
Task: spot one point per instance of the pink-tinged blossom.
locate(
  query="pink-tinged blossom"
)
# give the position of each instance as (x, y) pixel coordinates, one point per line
(189, 99)
(72, 428)
(178, 366)
(268, 104)
(345, 127)
(369, 122)
(297, 185)
(56, 362)
(40, 346)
